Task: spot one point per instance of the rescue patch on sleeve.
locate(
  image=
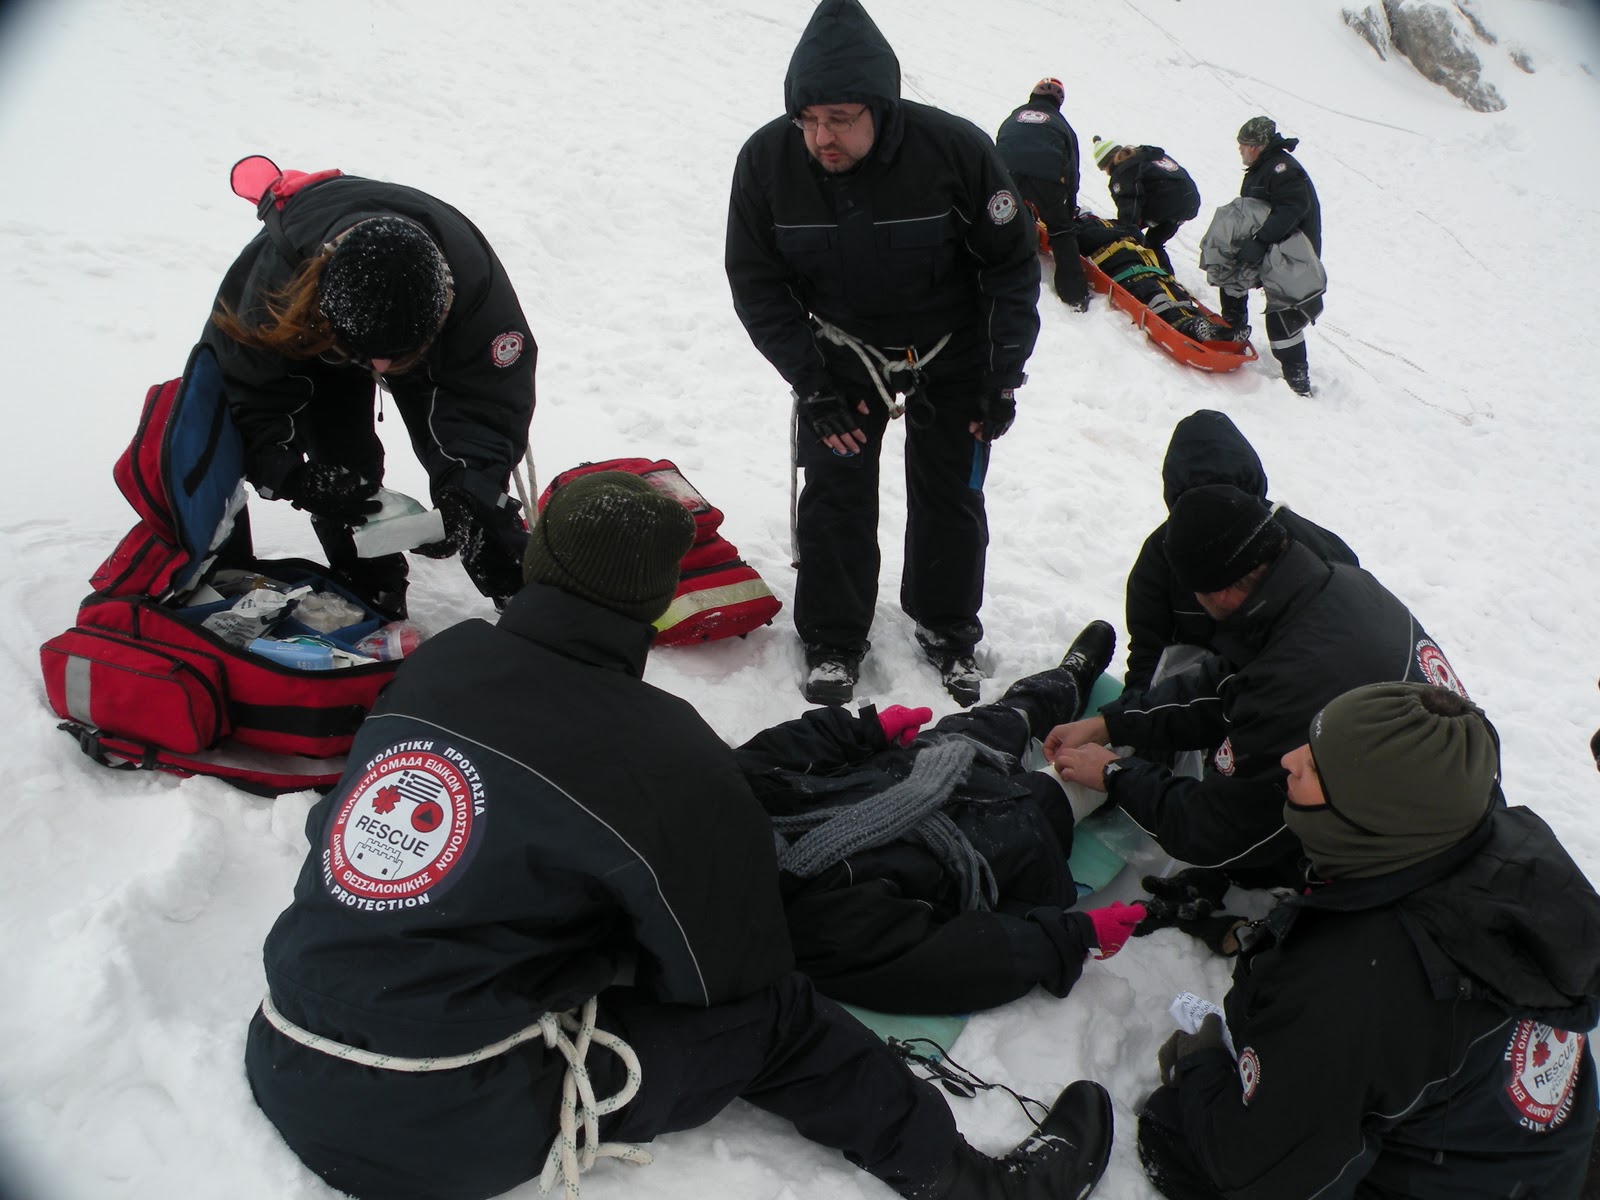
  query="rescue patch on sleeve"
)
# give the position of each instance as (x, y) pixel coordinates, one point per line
(1280, 168)
(1436, 668)
(506, 349)
(1002, 207)
(1249, 1072)
(403, 830)
(1222, 760)
(1542, 1067)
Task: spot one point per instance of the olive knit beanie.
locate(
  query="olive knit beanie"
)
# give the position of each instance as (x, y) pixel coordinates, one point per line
(1407, 770)
(611, 538)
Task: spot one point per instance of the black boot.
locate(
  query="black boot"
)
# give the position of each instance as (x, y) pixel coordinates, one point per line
(958, 669)
(832, 672)
(1298, 377)
(1054, 697)
(1061, 1160)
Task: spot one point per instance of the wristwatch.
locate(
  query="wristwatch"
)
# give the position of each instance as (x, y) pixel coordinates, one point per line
(1110, 769)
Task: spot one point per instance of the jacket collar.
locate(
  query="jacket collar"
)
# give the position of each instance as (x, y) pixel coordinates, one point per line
(1297, 576)
(579, 629)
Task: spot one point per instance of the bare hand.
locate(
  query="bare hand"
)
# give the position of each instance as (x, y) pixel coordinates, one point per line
(1090, 730)
(1085, 765)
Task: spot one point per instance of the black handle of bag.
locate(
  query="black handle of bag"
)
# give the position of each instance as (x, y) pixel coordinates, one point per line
(89, 742)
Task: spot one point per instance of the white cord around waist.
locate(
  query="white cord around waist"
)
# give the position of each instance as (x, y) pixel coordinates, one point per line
(880, 366)
(571, 1153)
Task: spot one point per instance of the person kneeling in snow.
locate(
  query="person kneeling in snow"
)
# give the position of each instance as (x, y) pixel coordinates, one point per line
(1416, 1025)
(1117, 250)
(540, 919)
(928, 873)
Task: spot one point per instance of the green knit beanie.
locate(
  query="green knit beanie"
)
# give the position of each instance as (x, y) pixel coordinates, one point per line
(1407, 769)
(611, 538)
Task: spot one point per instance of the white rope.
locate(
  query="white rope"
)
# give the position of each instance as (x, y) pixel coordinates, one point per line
(527, 490)
(884, 367)
(574, 1151)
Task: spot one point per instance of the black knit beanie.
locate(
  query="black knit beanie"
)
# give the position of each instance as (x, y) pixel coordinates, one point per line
(385, 289)
(611, 538)
(1218, 534)
(1407, 769)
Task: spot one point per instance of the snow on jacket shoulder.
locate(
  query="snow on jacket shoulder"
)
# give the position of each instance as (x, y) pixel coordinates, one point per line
(1291, 273)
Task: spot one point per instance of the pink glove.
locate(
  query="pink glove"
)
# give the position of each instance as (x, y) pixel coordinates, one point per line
(1113, 926)
(900, 724)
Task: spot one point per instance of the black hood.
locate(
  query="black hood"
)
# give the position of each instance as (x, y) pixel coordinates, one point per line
(1208, 448)
(1278, 142)
(843, 58)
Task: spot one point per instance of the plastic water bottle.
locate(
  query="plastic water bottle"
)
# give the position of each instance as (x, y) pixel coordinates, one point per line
(394, 640)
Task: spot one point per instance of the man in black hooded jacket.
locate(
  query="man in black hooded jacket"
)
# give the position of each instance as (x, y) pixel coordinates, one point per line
(876, 247)
(1293, 632)
(531, 848)
(1206, 448)
(1416, 1026)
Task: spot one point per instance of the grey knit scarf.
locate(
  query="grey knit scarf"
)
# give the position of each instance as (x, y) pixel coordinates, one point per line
(910, 808)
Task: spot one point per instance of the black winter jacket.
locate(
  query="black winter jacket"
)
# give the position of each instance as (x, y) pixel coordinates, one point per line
(1151, 187)
(524, 824)
(1282, 182)
(1309, 631)
(885, 927)
(1206, 448)
(923, 238)
(467, 406)
(1421, 1035)
(1037, 142)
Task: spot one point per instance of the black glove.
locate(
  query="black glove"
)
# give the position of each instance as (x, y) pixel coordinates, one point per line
(1181, 1045)
(334, 493)
(1251, 251)
(828, 413)
(470, 531)
(1191, 901)
(997, 409)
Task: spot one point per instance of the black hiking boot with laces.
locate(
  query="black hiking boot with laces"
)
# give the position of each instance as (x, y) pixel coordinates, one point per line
(832, 673)
(1059, 695)
(958, 669)
(1062, 1159)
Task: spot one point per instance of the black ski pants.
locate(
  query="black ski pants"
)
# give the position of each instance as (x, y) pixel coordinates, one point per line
(1057, 206)
(793, 1053)
(1156, 238)
(336, 428)
(947, 527)
(1164, 1151)
(478, 1131)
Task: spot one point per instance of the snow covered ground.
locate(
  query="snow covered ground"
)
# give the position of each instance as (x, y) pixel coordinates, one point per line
(1453, 441)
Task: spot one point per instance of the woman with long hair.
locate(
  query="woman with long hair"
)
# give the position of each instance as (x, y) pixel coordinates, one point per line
(356, 284)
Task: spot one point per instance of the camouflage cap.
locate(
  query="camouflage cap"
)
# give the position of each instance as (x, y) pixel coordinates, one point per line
(1257, 131)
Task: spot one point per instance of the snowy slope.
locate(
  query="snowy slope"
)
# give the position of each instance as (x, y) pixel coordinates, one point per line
(1453, 442)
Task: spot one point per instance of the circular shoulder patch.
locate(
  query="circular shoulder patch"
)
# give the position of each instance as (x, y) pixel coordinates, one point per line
(402, 831)
(1002, 207)
(1542, 1074)
(1436, 668)
(1249, 1073)
(506, 349)
(1280, 168)
(1032, 116)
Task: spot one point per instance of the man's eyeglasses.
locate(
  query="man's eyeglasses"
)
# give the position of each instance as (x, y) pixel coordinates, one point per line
(834, 125)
